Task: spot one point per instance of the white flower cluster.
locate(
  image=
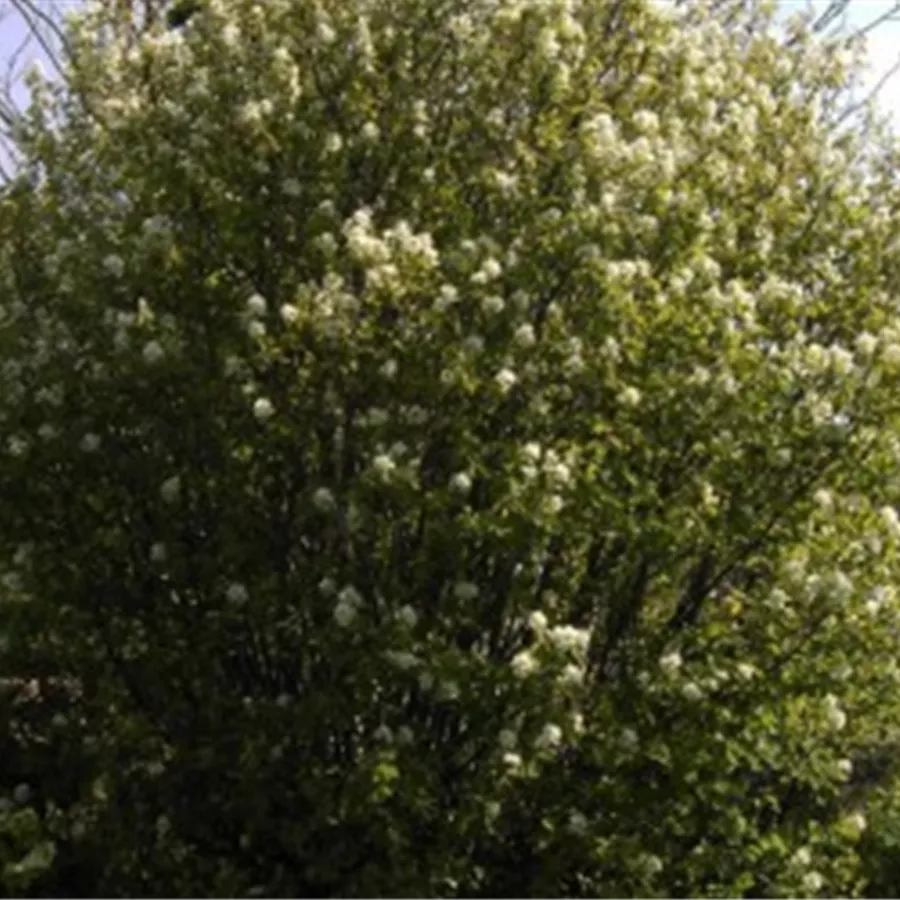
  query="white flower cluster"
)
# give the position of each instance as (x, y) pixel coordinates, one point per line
(237, 594)
(362, 243)
(563, 642)
(384, 254)
(349, 603)
(835, 716)
(418, 247)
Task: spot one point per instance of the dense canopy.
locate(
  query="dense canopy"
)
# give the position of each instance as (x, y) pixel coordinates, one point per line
(450, 448)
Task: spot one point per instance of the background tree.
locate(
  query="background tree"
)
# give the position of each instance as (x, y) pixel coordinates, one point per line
(451, 449)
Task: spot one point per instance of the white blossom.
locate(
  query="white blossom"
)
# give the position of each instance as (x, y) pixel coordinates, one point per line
(549, 738)
(578, 823)
(383, 734)
(783, 456)
(263, 410)
(465, 591)
(158, 553)
(572, 675)
(569, 639)
(324, 500)
(524, 664)
(866, 344)
(402, 659)
(841, 360)
(236, 593)
(505, 379)
(375, 418)
(813, 882)
(559, 472)
(646, 120)
(447, 296)
(289, 313)
(171, 488)
(384, 466)
(115, 265)
(492, 269)
(231, 35)
(253, 112)
(746, 671)
(525, 336)
(153, 352)
(407, 616)
(630, 396)
(881, 595)
(344, 614)
(891, 519)
(891, 356)
(90, 442)
(461, 483)
(837, 718)
(351, 596)
(824, 498)
(256, 305)
(506, 182)
(512, 760)
(670, 663)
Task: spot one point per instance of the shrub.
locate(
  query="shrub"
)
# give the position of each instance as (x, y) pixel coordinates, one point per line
(451, 447)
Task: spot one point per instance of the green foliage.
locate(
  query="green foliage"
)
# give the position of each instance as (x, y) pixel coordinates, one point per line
(450, 449)
(25, 854)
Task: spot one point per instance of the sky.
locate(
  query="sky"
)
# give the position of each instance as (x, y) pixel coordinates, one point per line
(13, 33)
(884, 44)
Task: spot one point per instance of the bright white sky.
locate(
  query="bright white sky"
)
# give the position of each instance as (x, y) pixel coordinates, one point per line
(883, 43)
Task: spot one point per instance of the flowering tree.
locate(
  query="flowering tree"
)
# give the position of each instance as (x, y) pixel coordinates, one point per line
(450, 449)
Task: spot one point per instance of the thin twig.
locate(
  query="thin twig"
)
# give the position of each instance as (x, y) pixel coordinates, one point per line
(33, 14)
